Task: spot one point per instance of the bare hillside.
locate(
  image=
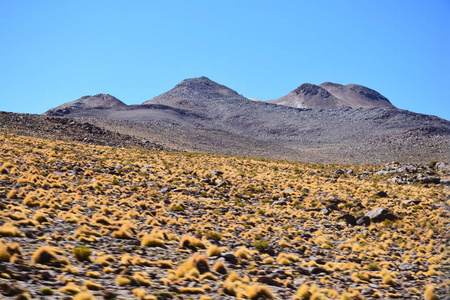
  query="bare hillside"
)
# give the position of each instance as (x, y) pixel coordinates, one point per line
(201, 115)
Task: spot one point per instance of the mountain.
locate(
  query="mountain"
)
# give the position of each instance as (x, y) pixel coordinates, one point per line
(86, 102)
(330, 95)
(310, 96)
(194, 92)
(357, 96)
(201, 115)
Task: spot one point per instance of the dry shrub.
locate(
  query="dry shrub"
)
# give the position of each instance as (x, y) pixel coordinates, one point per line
(255, 292)
(151, 241)
(45, 255)
(198, 262)
(219, 267)
(10, 230)
(214, 250)
(82, 253)
(31, 200)
(84, 296)
(4, 253)
(90, 285)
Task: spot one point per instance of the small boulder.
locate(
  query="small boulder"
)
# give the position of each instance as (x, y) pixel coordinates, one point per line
(380, 214)
(269, 281)
(230, 258)
(329, 209)
(279, 202)
(363, 220)
(442, 166)
(445, 181)
(408, 267)
(381, 194)
(216, 172)
(423, 178)
(349, 219)
(411, 202)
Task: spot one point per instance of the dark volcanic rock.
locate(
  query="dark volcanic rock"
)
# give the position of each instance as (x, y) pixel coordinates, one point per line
(381, 194)
(349, 219)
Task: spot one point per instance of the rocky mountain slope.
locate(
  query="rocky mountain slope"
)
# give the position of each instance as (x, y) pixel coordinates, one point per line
(71, 129)
(196, 112)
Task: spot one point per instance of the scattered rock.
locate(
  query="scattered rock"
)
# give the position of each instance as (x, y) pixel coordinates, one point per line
(380, 214)
(329, 209)
(363, 220)
(279, 202)
(423, 178)
(442, 166)
(408, 267)
(216, 172)
(317, 270)
(445, 181)
(411, 202)
(230, 257)
(269, 281)
(349, 219)
(381, 194)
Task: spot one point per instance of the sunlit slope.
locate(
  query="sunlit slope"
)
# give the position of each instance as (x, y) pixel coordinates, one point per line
(94, 221)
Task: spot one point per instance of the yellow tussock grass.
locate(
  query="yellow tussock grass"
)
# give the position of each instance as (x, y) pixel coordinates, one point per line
(84, 296)
(255, 292)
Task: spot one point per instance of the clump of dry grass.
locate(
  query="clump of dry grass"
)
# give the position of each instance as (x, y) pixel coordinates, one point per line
(259, 292)
(47, 255)
(10, 230)
(7, 251)
(152, 241)
(214, 250)
(220, 267)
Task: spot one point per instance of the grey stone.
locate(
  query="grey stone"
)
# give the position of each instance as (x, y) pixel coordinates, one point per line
(380, 214)
(363, 220)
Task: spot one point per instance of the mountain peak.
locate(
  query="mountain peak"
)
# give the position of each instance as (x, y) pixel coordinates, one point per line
(192, 91)
(311, 89)
(86, 102)
(329, 95)
(310, 95)
(356, 95)
(331, 84)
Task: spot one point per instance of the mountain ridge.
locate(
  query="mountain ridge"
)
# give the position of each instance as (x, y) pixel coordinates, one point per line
(199, 109)
(190, 93)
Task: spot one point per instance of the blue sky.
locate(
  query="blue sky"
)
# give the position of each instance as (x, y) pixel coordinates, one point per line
(53, 52)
